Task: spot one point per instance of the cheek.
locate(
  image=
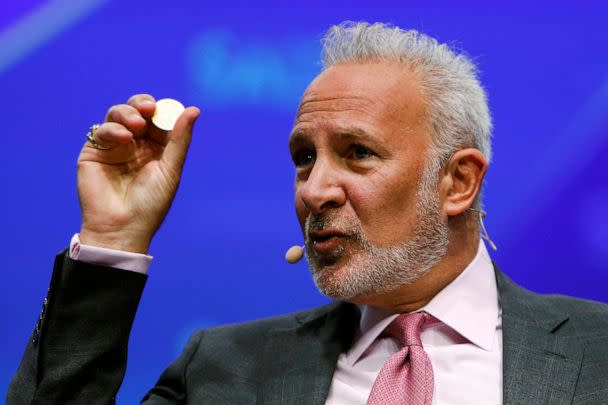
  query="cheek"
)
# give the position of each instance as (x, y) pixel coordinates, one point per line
(385, 208)
(301, 210)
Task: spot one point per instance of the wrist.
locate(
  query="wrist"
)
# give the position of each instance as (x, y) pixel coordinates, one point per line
(115, 240)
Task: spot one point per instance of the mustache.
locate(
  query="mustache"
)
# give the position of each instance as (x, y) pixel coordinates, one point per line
(333, 221)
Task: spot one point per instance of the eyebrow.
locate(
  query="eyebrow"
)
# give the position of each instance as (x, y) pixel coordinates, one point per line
(353, 134)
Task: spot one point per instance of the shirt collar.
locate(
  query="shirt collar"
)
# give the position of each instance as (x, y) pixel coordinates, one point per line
(469, 305)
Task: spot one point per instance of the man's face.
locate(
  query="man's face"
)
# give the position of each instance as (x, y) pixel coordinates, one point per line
(359, 144)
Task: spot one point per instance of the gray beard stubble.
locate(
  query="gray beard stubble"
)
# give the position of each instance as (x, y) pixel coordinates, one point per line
(380, 269)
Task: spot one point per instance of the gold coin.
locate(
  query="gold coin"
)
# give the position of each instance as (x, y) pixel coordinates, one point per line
(167, 112)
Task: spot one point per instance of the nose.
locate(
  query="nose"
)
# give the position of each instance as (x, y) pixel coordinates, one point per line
(322, 189)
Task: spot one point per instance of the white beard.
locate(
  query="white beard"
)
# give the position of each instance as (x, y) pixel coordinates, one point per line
(375, 269)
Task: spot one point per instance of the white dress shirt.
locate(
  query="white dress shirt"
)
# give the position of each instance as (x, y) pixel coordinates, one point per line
(464, 343)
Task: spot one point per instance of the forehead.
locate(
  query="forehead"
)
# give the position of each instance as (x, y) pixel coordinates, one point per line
(380, 95)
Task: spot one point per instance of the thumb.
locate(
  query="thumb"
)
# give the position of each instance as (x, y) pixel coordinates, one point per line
(175, 151)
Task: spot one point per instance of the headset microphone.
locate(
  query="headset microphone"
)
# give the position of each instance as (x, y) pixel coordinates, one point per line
(294, 254)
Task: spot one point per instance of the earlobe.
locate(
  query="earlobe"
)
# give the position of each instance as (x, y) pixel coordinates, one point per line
(465, 172)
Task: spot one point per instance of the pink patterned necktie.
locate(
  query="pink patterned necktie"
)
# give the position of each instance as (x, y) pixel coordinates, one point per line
(407, 376)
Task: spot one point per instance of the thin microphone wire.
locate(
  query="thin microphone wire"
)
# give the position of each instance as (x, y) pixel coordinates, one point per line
(484, 233)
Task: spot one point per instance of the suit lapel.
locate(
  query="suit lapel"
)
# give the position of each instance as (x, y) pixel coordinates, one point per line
(300, 361)
(539, 366)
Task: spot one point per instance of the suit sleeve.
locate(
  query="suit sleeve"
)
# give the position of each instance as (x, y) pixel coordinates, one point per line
(78, 350)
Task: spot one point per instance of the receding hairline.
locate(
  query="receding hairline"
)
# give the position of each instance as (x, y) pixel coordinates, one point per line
(457, 105)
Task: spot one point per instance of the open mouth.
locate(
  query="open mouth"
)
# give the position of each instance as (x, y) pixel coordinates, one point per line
(326, 241)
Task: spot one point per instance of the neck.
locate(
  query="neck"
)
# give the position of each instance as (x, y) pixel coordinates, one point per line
(462, 248)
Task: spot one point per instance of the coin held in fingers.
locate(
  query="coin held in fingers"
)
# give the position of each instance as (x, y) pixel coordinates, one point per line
(167, 112)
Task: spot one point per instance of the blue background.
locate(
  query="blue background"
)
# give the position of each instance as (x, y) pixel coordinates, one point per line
(219, 254)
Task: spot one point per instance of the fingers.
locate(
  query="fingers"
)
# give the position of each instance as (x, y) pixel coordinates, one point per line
(144, 103)
(129, 117)
(124, 122)
(179, 139)
(133, 115)
(111, 133)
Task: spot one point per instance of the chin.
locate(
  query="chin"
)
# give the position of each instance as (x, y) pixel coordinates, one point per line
(337, 281)
(329, 278)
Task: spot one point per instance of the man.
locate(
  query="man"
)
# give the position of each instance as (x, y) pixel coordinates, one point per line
(391, 143)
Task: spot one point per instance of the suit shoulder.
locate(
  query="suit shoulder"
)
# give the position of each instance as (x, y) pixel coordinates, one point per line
(237, 350)
(259, 328)
(576, 305)
(580, 309)
(585, 319)
(541, 308)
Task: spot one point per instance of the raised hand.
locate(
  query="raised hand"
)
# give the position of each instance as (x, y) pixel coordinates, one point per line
(126, 188)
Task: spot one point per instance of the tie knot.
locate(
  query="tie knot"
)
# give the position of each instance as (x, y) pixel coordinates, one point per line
(406, 328)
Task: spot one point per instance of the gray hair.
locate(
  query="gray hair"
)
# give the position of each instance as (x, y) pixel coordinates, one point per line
(456, 102)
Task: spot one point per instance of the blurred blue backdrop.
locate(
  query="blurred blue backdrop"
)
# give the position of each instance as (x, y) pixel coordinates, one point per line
(219, 254)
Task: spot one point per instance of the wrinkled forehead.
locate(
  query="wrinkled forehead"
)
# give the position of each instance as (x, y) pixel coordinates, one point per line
(379, 93)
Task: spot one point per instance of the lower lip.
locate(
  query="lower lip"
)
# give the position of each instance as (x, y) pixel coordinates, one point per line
(327, 245)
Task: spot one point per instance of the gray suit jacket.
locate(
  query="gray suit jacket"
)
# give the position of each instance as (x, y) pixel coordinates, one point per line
(555, 349)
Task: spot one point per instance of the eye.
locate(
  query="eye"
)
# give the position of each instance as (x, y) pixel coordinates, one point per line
(360, 152)
(303, 157)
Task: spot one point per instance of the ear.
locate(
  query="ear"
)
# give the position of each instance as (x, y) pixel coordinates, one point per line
(461, 180)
